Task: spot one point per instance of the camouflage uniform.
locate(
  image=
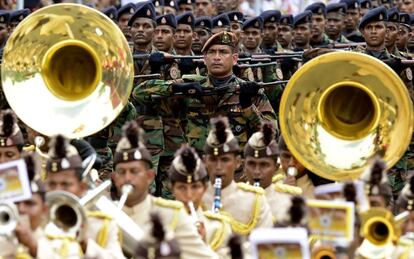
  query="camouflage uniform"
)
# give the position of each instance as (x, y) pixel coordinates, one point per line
(324, 43)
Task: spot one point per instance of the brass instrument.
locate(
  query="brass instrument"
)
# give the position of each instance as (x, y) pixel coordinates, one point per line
(217, 195)
(75, 63)
(324, 252)
(9, 216)
(335, 120)
(379, 229)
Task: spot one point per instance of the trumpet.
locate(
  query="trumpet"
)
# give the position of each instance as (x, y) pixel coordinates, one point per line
(8, 218)
(217, 194)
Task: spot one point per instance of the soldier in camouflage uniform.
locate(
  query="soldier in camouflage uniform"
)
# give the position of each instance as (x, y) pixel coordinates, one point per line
(202, 32)
(302, 27)
(376, 47)
(335, 15)
(351, 21)
(236, 22)
(319, 37)
(271, 19)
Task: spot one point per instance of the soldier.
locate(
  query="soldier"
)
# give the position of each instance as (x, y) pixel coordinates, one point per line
(260, 165)
(124, 14)
(16, 17)
(252, 36)
(303, 178)
(170, 6)
(220, 23)
(183, 37)
(271, 19)
(4, 29)
(189, 180)
(204, 8)
(133, 165)
(386, 3)
(112, 13)
(186, 6)
(351, 21)
(403, 33)
(410, 44)
(319, 38)
(407, 6)
(302, 27)
(236, 22)
(11, 137)
(164, 33)
(392, 31)
(202, 32)
(222, 159)
(64, 172)
(364, 7)
(285, 32)
(335, 16)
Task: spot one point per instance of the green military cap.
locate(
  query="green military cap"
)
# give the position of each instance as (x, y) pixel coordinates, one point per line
(262, 143)
(62, 156)
(10, 133)
(220, 139)
(187, 166)
(221, 38)
(130, 147)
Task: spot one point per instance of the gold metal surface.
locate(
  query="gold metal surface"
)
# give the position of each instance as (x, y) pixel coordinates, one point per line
(341, 109)
(379, 227)
(67, 69)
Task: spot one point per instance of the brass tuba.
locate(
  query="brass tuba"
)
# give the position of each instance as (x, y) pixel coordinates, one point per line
(340, 110)
(67, 69)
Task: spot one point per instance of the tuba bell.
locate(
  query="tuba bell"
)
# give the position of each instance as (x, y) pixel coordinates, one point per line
(73, 65)
(340, 110)
(9, 216)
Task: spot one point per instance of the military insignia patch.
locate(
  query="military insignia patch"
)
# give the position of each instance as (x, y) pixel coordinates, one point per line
(279, 73)
(163, 20)
(172, 3)
(202, 23)
(1, 19)
(21, 17)
(236, 18)
(256, 24)
(131, 11)
(219, 23)
(272, 19)
(157, 4)
(189, 19)
(409, 74)
(225, 38)
(380, 17)
(148, 12)
(174, 73)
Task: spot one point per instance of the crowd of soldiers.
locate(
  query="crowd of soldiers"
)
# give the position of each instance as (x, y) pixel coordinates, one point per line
(199, 141)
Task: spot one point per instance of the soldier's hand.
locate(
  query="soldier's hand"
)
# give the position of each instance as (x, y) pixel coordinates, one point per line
(26, 236)
(156, 60)
(290, 180)
(188, 89)
(187, 66)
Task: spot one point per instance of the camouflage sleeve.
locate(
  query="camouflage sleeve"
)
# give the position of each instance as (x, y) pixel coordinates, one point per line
(266, 111)
(253, 118)
(131, 112)
(269, 74)
(146, 91)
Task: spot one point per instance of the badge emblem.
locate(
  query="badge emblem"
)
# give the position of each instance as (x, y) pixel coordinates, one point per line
(225, 38)
(172, 3)
(174, 73)
(409, 74)
(219, 23)
(279, 73)
(131, 11)
(148, 12)
(236, 18)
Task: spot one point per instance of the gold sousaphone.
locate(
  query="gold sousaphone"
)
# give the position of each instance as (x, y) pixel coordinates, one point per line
(341, 109)
(67, 69)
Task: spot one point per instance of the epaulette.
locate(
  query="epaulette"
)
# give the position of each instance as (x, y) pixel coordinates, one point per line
(194, 78)
(249, 188)
(285, 188)
(168, 203)
(216, 216)
(277, 178)
(98, 214)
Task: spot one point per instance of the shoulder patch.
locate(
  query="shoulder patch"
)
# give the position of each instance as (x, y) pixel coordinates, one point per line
(98, 214)
(168, 203)
(216, 216)
(249, 188)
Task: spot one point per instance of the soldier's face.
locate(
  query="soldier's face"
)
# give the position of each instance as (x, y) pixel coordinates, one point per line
(186, 8)
(200, 37)
(169, 9)
(236, 28)
(269, 33)
(136, 173)
(402, 37)
(351, 19)
(363, 11)
(251, 38)
(219, 60)
(67, 181)
(318, 25)
(260, 169)
(204, 8)
(302, 34)
(284, 35)
(222, 166)
(4, 33)
(163, 38)
(35, 208)
(221, 6)
(183, 37)
(142, 31)
(8, 154)
(391, 35)
(186, 192)
(334, 24)
(374, 33)
(407, 6)
(288, 160)
(123, 20)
